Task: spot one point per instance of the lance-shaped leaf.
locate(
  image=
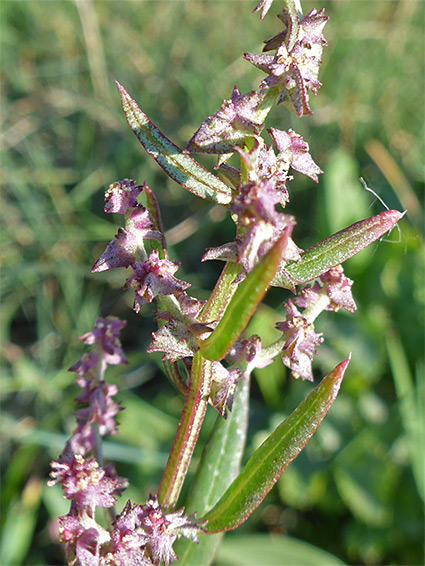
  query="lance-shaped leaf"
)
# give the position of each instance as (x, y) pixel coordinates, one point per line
(268, 462)
(180, 167)
(243, 303)
(336, 249)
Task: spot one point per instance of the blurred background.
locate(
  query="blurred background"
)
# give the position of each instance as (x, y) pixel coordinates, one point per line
(357, 490)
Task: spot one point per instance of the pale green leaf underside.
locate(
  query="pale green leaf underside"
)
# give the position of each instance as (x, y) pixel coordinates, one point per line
(180, 167)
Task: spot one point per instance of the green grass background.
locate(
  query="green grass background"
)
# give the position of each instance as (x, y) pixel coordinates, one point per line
(357, 490)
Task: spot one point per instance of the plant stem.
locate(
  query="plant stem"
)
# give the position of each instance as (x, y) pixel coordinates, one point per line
(187, 432)
(197, 397)
(267, 104)
(221, 294)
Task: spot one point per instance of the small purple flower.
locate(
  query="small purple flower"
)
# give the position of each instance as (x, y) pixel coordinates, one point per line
(336, 286)
(82, 441)
(256, 203)
(80, 543)
(128, 543)
(101, 408)
(141, 224)
(255, 208)
(300, 343)
(127, 245)
(308, 295)
(175, 340)
(153, 278)
(338, 289)
(121, 196)
(85, 483)
(120, 252)
(85, 364)
(105, 334)
(249, 350)
(178, 338)
(262, 165)
(235, 120)
(270, 167)
(293, 150)
(163, 530)
(70, 528)
(223, 387)
(295, 66)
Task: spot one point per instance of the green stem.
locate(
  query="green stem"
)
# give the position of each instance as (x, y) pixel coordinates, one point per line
(266, 105)
(223, 291)
(322, 302)
(196, 398)
(187, 432)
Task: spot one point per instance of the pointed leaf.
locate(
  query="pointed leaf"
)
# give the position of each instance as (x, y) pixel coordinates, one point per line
(268, 462)
(243, 304)
(180, 167)
(336, 249)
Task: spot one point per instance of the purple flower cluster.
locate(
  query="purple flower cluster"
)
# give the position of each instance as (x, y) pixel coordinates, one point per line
(153, 277)
(140, 535)
(97, 418)
(294, 68)
(260, 184)
(331, 292)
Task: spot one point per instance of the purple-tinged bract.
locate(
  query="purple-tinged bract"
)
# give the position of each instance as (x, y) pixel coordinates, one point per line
(300, 344)
(294, 69)
(235, 120)
(154, 278)
(121, 196)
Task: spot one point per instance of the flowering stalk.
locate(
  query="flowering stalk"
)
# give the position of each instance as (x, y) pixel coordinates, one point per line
(205, 354)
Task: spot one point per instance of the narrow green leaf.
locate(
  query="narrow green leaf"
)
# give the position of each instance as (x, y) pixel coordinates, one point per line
(274, 550)
(219, 465)
(221, 294)
(410, 405)
(336, 249)
(19, 525)
(243, 304)
(268, 462)
(180, 167)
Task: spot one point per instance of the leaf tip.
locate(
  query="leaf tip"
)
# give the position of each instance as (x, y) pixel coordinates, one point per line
(391, 217)
(338, 372)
